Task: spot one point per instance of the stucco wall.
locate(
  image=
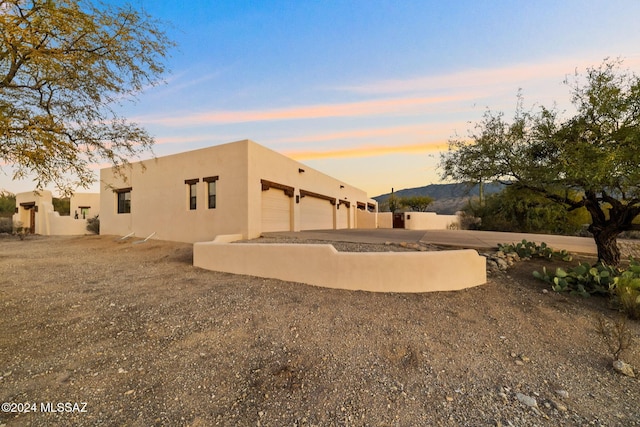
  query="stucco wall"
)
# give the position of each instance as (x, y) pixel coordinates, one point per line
(90, 200)
(428, 221)
(366, 219)
(322, 265)
(419, 220)
(66, 225)
(385, 220)
(160, 199)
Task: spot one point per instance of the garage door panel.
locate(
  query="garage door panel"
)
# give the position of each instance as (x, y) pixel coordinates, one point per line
(342, 215)
(316, 214)
(276, 210)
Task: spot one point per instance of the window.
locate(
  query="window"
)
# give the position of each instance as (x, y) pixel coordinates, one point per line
(211, 194)
(124, 200)
(211, 190)
(192, 196)
(84, 211)
(193, 192)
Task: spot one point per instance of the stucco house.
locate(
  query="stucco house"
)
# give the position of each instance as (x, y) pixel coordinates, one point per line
(235, 188)
(35, 212)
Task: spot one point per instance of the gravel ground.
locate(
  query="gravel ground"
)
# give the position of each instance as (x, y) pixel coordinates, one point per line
(144, 338)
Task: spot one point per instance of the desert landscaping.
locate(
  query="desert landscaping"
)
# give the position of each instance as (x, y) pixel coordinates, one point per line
(119, 333)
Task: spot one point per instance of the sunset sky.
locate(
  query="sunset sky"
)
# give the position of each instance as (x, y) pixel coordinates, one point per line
(366, 91)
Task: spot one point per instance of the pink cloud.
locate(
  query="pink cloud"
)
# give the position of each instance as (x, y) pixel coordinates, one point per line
(508, 76)
(350, 109)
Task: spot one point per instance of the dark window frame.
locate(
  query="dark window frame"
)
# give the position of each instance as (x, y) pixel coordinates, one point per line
(123, 199)
(192, 188)
(211, 196)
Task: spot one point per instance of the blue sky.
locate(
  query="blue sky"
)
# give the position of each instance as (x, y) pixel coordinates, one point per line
(366, 91)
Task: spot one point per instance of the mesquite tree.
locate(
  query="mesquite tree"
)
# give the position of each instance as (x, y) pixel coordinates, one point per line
(64, 66)
(591, 159)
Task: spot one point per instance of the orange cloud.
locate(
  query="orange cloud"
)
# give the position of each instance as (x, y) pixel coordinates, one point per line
(421, 130)
(370, 151)
(350, 109)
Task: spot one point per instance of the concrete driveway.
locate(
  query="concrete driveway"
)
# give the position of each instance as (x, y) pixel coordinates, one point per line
(482, 240)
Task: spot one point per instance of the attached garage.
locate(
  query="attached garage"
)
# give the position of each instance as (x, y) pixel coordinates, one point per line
(316, 211)
(276, 207)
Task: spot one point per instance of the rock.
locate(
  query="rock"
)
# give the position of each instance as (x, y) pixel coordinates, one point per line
(527, 400)
(623, 368)
(562, 393)
(559, 406)
(502, 264)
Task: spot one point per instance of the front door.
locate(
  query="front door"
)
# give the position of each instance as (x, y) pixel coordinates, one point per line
(32, 220)
(398, 220)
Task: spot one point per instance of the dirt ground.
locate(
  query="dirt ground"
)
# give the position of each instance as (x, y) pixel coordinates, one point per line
(111, 333)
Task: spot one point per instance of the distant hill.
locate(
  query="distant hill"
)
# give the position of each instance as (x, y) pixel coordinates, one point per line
(449, 198)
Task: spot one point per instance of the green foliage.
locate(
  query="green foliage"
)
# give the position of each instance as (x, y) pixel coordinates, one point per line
(416, 203)
(585, 280)
(392, 203)
(582, 280)
(7, 204)
(64, 67)
(627, 290)
(62, 205)
(6, 225)
(521, 210)
(527, 249)
(93, 225)
(594, 154)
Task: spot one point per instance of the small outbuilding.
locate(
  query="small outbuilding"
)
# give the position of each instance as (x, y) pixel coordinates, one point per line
(36, 214)
(235, 188)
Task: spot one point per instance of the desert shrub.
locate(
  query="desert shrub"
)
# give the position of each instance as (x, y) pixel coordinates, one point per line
(626, 291)
(616, 335)
(6, 225)
(623, 285)
(520, 210)
(583, 280)
(527, 249)
(93, 225)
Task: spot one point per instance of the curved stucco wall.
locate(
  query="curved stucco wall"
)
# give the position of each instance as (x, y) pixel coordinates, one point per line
(322, 265)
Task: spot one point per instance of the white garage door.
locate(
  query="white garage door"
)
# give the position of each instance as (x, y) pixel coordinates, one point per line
(342, 216)
(276, 210)
(316, 214)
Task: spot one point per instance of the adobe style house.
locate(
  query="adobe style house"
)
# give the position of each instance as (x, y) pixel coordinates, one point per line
(35, 212)
(235, 188)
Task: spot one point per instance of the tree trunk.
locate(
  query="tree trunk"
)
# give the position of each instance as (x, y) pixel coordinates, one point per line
(607, 244)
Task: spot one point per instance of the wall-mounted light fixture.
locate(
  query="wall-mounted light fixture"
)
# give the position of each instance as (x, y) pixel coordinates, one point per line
(300, 170)
(342, 186)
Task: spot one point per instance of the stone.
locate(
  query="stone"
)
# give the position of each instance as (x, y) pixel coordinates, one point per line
(623, 368)
(562, 393)
(559, 406)
(527, 400)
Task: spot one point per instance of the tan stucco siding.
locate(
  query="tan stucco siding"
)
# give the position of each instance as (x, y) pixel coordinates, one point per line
(160, 196)
(244, 170)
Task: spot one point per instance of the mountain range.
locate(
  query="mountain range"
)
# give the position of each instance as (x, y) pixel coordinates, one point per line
(448, 198)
